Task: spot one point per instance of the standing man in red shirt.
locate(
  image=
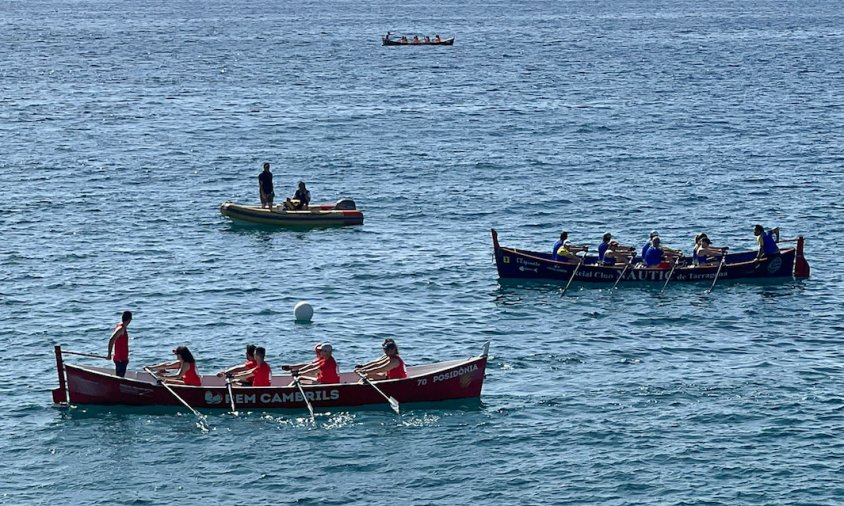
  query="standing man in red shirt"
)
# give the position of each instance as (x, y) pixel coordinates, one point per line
(119, 343)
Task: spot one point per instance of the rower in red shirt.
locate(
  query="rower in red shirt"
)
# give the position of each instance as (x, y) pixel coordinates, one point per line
(247, 366)
(261, 374)
(324, 366)
(119, 342)
(389, 366)
(186, 365)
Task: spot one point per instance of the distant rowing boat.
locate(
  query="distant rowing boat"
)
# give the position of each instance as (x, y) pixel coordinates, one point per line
(392, 42)
(515, 263)
(454, 379)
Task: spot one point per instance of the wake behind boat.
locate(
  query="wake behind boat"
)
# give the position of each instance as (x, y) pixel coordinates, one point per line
(515, 263)
(343, 213)
(454, 379)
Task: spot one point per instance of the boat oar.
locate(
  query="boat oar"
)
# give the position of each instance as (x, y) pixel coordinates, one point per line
(572, 277)
(85, 354)
(302, 391)
(623, 271)
(231, 395)
(393, 403)
(723, 260)
(198, 415)
(670, 273)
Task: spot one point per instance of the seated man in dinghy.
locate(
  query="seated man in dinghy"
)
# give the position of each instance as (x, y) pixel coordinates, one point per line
(300, 200)
(388, 366)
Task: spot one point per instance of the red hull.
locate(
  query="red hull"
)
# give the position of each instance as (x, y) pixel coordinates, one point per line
(457, 379)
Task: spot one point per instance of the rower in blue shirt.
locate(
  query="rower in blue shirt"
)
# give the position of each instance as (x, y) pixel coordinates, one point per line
(652, 253)
(767, 242)
(647, 245)
(563, 238)
(602, 248)
(657, 255)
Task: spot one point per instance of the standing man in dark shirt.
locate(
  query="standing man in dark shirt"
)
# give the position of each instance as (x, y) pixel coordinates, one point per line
(265, 187)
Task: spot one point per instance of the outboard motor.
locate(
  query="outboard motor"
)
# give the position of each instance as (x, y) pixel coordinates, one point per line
(345, 205)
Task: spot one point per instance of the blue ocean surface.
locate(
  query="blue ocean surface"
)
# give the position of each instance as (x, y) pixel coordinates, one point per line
(124, 125)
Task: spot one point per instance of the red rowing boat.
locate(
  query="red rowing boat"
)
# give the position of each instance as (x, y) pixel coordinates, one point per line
(454, 379)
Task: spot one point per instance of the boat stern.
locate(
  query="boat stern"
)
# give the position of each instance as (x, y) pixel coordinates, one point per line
(801, 266)
(60, 394)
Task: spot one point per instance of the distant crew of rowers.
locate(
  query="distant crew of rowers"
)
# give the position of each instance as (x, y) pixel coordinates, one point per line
(655, 254)
(256, 372)
(415, 40)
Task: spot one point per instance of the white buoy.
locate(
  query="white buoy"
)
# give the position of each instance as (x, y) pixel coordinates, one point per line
(303, 312)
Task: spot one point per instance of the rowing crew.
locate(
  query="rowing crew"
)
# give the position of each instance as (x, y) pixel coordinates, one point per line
(256, 372)
(655, 254)
(416, 40)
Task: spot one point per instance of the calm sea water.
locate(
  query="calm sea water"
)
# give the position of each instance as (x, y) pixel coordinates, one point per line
(124, 125)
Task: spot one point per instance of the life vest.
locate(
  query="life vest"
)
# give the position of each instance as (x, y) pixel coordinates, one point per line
(398, 372)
